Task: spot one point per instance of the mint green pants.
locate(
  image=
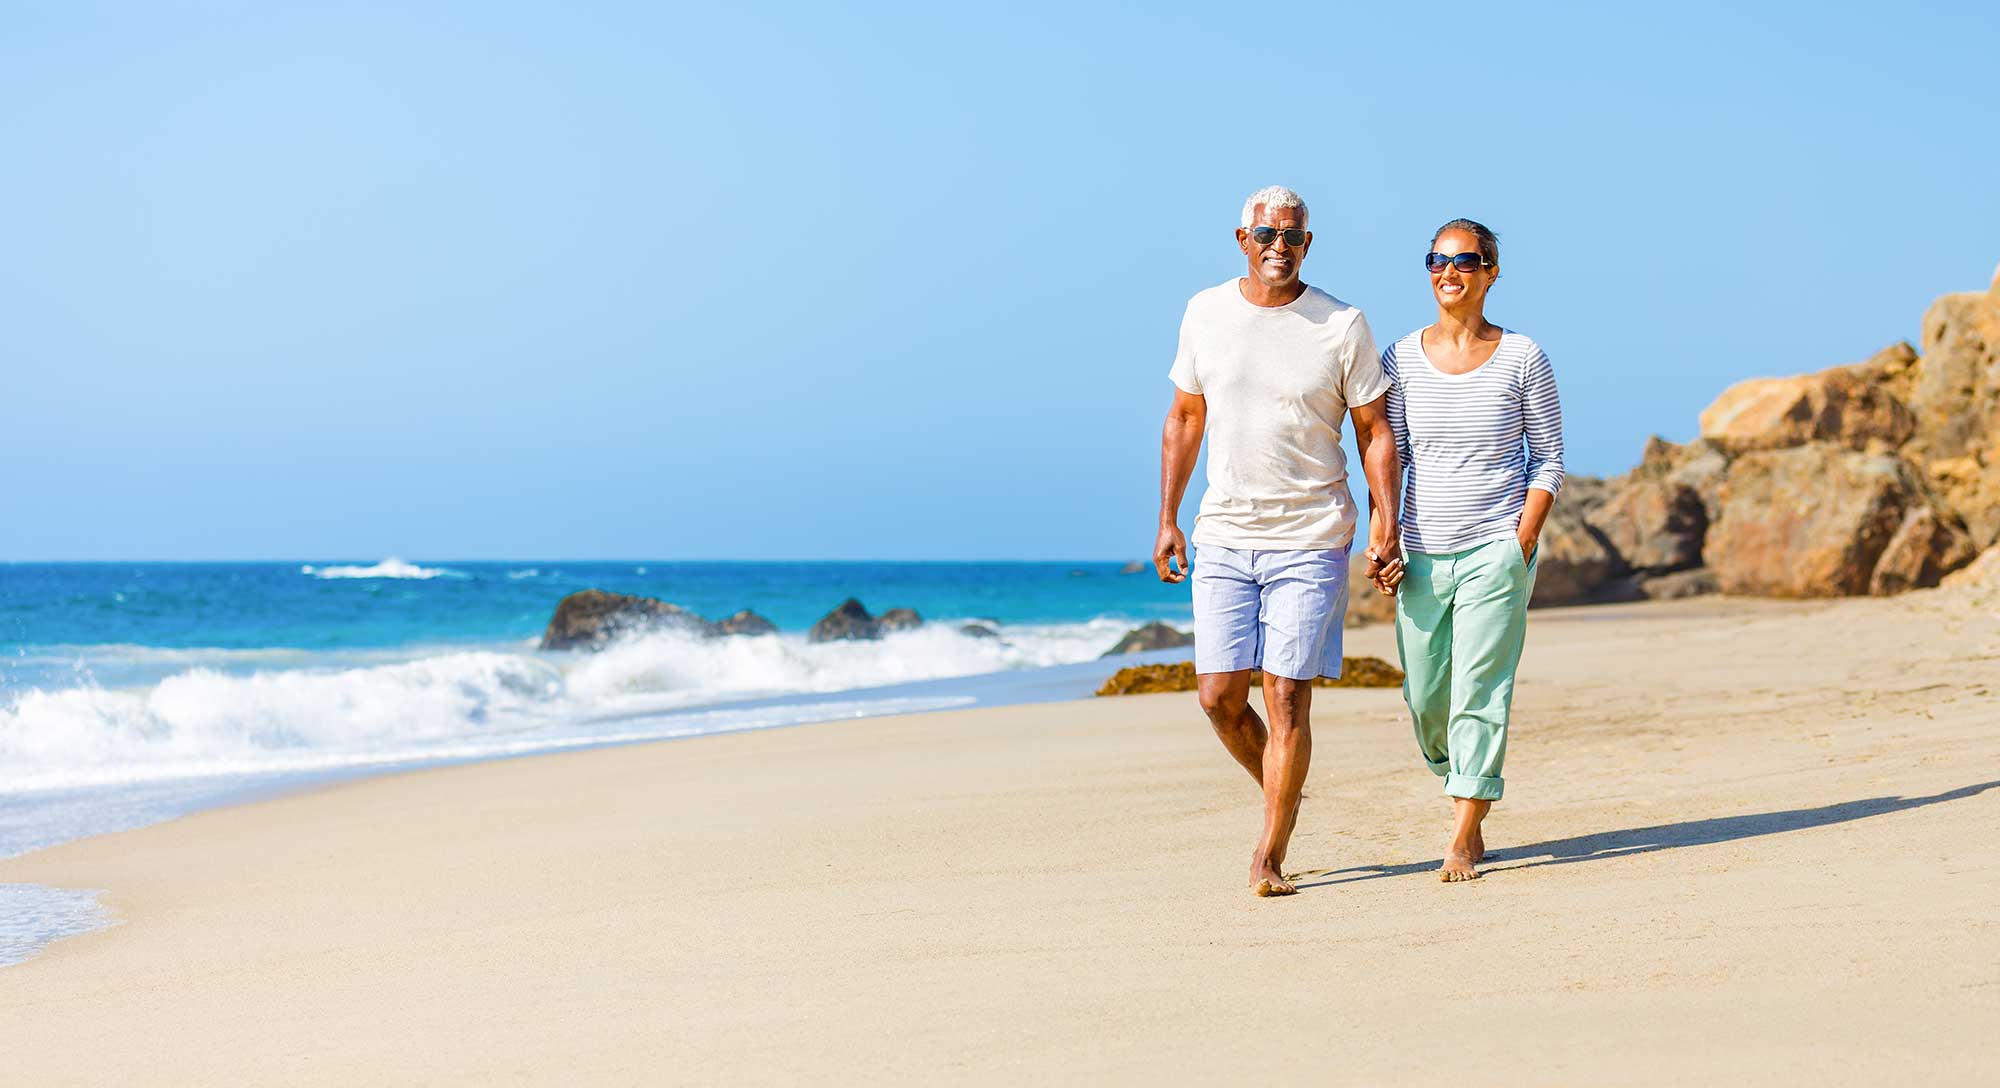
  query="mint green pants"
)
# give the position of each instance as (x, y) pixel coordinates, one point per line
(1461, 618)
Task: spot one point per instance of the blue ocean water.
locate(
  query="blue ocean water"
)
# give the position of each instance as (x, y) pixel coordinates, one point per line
(133, 692)
(351, 605)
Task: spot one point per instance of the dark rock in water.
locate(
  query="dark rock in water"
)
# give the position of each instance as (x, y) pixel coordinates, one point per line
(898, 619)
(1355, 672)
(1136, 566)
(745, 622)
(849, 621)
(978, 630)
(1153, 636)
(590, 619)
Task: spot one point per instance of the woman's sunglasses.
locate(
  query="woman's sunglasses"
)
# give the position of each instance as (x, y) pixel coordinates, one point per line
(1264, 236)
(1464, 262)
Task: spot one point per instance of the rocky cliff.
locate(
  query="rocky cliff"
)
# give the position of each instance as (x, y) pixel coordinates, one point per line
(1870, 478)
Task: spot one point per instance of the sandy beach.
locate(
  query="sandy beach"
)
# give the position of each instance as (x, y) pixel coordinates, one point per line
(1744, 842)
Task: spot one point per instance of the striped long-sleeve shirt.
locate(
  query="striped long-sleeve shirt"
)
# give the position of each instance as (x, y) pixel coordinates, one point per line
(1472, 444)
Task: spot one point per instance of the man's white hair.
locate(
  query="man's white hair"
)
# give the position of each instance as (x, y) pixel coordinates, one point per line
(1274, 197)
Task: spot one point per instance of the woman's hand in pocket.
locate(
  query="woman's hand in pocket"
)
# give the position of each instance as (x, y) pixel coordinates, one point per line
(1528, 544)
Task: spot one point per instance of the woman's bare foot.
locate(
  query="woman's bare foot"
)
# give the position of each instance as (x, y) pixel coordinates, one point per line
(1267, 880)
(1468, 845)
(1459, 864)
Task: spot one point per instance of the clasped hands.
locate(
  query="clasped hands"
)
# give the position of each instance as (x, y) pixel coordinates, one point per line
(1385, 562)
(1385, 559)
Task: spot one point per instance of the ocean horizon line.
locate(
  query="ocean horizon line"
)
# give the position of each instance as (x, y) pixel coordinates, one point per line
(545, 559)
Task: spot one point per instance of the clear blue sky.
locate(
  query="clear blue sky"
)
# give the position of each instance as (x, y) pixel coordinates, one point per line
(607, 280)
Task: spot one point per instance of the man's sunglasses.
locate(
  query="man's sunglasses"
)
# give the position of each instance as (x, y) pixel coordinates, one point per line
(1464, 262)
(1264, 236)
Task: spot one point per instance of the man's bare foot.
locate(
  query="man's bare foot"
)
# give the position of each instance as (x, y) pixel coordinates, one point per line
(1478, 846)
(1460, 863)
(1266, 880)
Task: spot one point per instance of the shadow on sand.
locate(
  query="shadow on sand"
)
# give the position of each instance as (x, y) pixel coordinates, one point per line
(1645, 840)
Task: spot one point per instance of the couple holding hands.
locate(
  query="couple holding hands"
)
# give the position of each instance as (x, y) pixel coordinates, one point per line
(1459, 432)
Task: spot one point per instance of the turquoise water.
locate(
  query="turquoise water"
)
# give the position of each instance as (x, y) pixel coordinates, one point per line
(134, 692)
(324, 605)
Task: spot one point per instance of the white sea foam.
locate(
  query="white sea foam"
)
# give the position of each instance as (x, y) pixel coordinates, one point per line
(387, 568)
(32, 916)
(204, 720)
(519, 575)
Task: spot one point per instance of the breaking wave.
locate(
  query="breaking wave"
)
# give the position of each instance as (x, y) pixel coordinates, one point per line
(387, 568)
(234, 716)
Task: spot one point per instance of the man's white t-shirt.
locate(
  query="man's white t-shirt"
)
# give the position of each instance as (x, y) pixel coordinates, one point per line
(1278, 380)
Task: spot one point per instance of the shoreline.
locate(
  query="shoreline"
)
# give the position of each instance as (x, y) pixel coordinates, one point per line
(1742, 839)
(141, 803)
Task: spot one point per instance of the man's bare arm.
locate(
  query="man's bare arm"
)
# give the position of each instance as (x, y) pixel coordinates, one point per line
(1180, 445)
(1384, 469)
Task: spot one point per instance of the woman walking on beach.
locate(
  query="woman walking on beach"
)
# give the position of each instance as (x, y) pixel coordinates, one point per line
(1474, 412)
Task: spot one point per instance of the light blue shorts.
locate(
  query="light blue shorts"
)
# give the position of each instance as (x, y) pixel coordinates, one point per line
(1278, 611)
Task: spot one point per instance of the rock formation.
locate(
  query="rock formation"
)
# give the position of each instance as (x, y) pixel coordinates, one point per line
(590, 619)
(1870, 478)
(1153, 636)
(899, 619)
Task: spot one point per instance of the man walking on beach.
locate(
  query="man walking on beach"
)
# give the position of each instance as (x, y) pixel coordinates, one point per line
(1267, 366)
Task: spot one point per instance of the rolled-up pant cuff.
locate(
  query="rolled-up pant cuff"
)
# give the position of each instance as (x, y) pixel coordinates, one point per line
(1441, 767)
(1473, 789)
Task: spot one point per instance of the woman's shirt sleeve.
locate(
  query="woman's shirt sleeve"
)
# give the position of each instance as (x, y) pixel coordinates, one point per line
(1541, 411)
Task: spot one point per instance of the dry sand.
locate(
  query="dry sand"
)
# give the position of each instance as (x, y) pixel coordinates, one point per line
(1744, 842)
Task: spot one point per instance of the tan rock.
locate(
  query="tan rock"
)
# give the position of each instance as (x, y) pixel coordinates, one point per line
(1582, 495)
(1653, 523)
(1702, 465)
(1847, 404)
(1925, 548)
(1810, 521)
(1678, 585)
(1955, 396)
(1983, 572)
(1574, 560)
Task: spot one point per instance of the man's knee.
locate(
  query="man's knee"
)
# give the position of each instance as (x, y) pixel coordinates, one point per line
(1221, 699)
(1285, 689)
(1289, 701)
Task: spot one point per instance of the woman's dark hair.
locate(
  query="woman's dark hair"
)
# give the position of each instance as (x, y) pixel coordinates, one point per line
(1489, 242)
